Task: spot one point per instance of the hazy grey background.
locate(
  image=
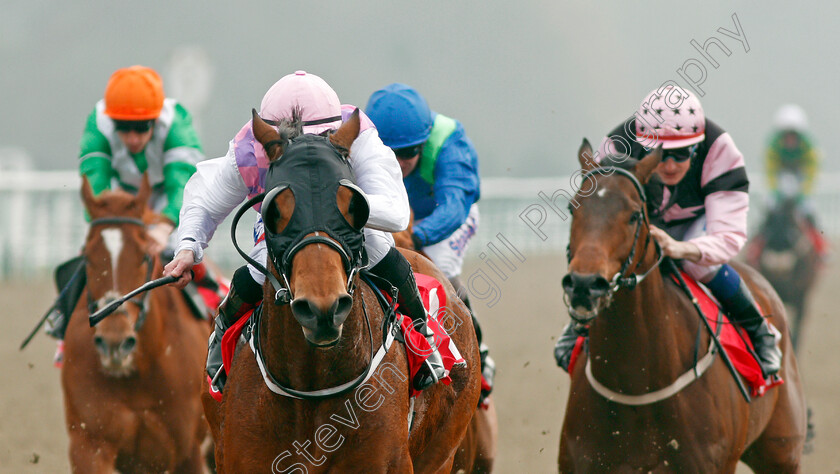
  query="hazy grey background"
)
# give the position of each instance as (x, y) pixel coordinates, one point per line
(528, 78)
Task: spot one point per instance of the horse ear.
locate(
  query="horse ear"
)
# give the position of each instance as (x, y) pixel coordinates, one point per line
(585, 158)
(347, 133)
(145, 191)
(644, 168)
(268, 137)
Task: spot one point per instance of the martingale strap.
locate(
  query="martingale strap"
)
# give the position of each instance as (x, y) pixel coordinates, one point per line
(680, 383)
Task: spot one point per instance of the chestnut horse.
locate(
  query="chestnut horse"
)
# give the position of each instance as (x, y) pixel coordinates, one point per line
(642, 339)
(317, 336)
(132, 384)
(477, 452)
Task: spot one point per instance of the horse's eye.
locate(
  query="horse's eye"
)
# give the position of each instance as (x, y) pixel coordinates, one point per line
(635, 217)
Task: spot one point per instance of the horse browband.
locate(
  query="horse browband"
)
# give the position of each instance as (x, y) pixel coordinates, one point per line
(117, 220)
(603, 171)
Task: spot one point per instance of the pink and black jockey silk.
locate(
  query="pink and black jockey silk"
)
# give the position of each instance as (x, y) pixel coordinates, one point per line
(314, 170)
(689, 192)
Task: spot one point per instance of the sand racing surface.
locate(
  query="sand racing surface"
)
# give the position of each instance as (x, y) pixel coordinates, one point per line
(530, 390)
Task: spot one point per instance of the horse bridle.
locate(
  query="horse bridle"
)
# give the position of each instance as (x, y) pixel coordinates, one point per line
(283, 293)
(140, 302)
(389, 330)
(640, 217)
(630, 282)
(283, 296)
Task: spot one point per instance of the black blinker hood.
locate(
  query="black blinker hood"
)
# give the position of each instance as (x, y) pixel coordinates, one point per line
(314, 170)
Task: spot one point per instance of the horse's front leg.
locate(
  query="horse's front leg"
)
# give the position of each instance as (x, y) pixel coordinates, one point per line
(91, 456)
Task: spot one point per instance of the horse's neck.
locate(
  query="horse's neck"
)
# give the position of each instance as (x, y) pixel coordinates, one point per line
(645, 337)
(291, 359)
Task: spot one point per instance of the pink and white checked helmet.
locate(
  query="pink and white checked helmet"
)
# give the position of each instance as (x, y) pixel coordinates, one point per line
(670, 116)
(318, 102)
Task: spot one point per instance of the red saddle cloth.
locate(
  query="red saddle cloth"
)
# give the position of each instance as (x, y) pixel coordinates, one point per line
(417, 347)
(735, 340)
(211, 298)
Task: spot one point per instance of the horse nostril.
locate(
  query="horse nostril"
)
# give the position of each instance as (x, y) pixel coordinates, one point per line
(568, 284)
(303, 311)
(99, 342)
(128, 344)
(599, 287)
(341, 308)
(585, 286)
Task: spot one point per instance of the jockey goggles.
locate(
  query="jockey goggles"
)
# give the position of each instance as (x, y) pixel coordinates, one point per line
(408, 152)
(680, 155)
(139, 126)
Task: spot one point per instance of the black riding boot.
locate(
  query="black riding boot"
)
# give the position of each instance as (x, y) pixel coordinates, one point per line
(243, 296)
(396, 269)
(742, 309)
(70, 280)
(565, 344)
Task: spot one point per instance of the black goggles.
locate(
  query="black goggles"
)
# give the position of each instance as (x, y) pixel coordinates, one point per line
(407, 152)
(680, 155)
(139, 126)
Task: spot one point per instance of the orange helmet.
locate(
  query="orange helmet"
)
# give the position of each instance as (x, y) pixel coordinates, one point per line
(134, 93)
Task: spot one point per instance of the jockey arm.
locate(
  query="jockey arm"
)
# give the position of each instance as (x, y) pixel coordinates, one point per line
(772, 164)
(725, 184)
(810, 163)
(456, 188)
(181, 153)
(211, 194)
(95, 157)
(378, 174)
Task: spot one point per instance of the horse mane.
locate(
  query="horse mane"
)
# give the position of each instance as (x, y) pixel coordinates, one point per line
(289, 128)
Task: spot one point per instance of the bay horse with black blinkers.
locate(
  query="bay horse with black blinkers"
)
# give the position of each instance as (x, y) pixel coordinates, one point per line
(316, 339)
(642, 339)
(132, 384)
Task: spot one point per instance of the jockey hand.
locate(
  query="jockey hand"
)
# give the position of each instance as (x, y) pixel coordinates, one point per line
(674, 248)
(159, 236)
(181, 267)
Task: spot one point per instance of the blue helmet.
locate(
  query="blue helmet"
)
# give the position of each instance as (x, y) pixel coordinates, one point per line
(401, 115)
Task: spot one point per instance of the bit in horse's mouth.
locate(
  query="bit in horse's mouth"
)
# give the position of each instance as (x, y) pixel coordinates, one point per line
(581, 314)
(327, 345)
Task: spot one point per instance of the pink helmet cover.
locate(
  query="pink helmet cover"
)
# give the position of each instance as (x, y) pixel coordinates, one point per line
(315, 98)
(670, 116)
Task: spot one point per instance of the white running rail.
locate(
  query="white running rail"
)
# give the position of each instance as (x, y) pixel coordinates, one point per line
(42, 224)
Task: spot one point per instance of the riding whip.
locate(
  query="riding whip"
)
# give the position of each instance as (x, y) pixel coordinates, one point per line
(98, 316)
(80, 269)
(712, 334)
